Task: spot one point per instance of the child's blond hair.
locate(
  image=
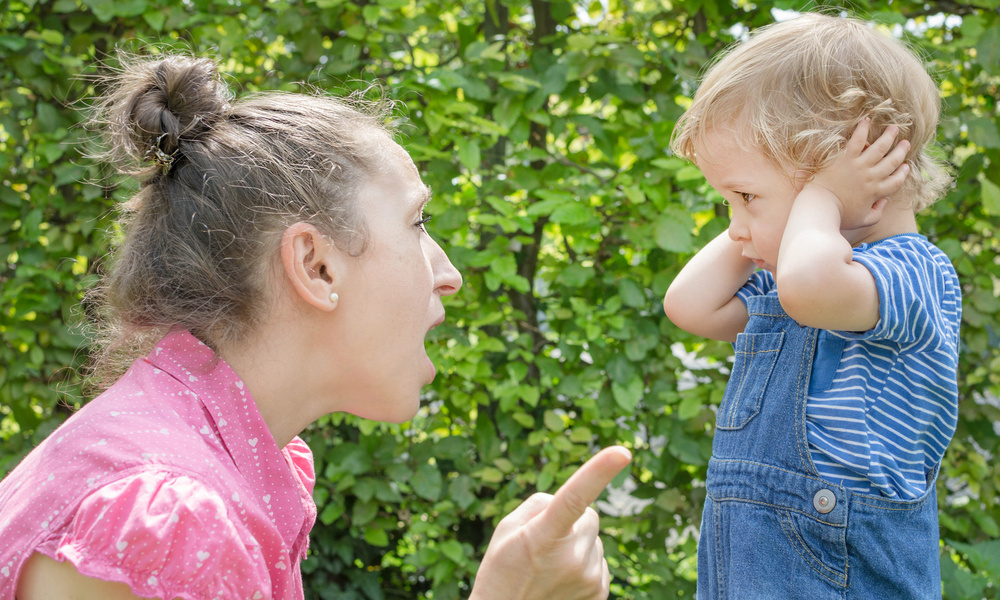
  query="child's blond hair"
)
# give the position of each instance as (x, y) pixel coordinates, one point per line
(797, 89)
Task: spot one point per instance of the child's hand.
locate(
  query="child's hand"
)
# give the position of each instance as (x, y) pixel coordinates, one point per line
(862, 177)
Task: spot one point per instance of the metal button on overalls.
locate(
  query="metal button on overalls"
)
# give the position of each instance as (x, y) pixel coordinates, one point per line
(824, 501)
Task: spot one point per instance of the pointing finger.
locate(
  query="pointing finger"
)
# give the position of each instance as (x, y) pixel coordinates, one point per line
(582, 489)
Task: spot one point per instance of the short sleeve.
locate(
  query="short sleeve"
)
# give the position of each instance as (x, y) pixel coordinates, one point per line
(760, 284)
(301, 458)
(914, 298)
(166, 536)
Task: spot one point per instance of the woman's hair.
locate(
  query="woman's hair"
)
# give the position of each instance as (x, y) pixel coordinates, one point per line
(796, 90)
(219, 180)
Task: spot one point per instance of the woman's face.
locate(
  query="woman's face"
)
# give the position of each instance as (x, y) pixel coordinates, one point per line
(390, 296)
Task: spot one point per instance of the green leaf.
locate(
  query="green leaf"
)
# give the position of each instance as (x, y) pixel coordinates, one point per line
(632, 295)
(553, 421)
(52, 37)
(988, 50)
(621, 370)
(349, 458)
(363, 512)
(985, 556)
(990, 193)
(628, 396)
(574, 213)
(452, 549)
(331, 512)
(524, 419)
(984, 132)
(427, 482)
(491, 475)
(461, 491)
(575, 275)
(14, 43)
(155, 18)
(673, 234)
(48, 116)
(377, 537)
(468, 153)
(689, 407)
(580, 41)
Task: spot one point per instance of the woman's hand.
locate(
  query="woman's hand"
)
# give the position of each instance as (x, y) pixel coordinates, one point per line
(548, 548)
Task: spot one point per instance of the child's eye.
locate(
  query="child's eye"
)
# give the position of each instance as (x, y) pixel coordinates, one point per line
(747, 197)
(423, 221)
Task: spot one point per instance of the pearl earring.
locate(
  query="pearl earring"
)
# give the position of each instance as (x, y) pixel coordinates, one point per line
(334, 299)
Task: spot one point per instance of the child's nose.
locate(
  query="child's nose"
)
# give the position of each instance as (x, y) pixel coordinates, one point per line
(738, 232)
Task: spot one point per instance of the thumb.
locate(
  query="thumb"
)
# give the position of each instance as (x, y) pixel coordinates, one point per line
(581, 490)
(875, 213)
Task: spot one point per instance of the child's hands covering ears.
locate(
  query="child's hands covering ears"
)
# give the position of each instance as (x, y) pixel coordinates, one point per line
(863, 176)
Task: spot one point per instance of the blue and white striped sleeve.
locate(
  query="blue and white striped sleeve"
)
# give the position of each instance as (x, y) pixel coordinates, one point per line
(919, 297)
(759, 284)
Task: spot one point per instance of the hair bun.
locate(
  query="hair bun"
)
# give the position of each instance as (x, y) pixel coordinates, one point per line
(154, 105)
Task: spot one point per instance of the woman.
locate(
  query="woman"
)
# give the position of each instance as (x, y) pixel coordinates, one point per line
(276, 251)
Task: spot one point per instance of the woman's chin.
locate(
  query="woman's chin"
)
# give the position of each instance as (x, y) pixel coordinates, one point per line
(399, 412)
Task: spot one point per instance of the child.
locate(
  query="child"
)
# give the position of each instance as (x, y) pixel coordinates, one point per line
(843, 395)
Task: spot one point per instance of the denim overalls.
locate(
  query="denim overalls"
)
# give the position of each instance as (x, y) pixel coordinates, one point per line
(772, 528)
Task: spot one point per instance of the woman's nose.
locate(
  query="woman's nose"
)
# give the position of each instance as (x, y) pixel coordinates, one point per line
(447, 279)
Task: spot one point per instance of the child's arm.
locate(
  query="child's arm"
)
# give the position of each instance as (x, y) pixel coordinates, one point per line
(818, 282)
(702, 298)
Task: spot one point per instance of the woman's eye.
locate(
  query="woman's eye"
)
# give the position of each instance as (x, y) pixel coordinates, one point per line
(746, 197)
(424, 220)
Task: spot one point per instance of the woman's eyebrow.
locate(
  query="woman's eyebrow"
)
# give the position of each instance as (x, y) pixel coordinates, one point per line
(423, 196)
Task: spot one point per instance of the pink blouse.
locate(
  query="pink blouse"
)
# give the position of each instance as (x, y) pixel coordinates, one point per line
(170, 482)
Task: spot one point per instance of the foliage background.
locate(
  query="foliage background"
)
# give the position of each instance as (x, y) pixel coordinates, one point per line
(542, 127)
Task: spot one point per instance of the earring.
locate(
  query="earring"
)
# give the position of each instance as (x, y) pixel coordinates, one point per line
(334, 299)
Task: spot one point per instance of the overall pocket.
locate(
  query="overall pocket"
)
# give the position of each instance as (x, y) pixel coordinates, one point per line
(821, 546)
(756, 355)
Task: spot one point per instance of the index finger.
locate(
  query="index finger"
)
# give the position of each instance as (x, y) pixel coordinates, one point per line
(859, 137)
(582, 489)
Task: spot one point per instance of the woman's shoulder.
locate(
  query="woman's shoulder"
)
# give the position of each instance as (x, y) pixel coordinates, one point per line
(164, 534)
(300, 456)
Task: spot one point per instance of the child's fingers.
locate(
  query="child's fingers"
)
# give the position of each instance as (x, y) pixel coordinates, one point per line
(897, 157)
(891, 162)
(880, 147)
(859, 139)
(891, 184)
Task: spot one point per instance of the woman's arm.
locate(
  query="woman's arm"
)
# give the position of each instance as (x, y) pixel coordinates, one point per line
(45, 579)
(702, 298)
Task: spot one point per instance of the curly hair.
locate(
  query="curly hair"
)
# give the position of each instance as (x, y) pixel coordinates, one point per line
(796, 90)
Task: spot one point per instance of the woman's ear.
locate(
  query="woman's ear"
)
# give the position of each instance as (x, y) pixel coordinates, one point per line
(311, 264)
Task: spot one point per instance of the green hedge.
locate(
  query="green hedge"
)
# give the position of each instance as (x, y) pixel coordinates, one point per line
(542, 127)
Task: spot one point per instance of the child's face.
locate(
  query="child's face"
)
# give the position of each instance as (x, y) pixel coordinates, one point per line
(759, 193)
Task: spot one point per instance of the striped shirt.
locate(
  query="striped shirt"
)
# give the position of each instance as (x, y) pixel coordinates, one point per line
(882, 404)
